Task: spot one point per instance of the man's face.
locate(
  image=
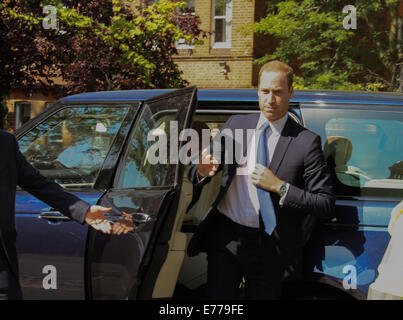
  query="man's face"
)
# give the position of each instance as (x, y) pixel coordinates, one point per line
(274, 95)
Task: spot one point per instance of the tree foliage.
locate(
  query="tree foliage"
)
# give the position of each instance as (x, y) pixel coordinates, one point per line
(23, 58)
(310, 35)
(98, 45)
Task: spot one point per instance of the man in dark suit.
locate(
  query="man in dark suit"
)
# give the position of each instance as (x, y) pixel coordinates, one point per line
(15, 170)
(254, 229)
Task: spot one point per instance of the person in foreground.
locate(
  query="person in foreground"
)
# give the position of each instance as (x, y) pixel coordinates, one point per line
(253, 230)
(389, 283)
(15, 170)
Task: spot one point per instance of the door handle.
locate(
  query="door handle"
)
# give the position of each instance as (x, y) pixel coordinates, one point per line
(137, 217)
(53, 216)
(141, 217)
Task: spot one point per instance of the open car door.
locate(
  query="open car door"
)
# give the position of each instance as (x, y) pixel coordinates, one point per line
(146, 188)
(68, 143)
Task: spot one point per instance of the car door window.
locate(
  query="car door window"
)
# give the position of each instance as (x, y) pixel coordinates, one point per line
(71, 145)
(145, 164)
(364, 148)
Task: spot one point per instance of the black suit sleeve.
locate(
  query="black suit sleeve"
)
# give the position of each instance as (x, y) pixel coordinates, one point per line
(192, 174)
(48, 191)
(317, 196)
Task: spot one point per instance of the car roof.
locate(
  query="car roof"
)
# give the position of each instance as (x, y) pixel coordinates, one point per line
(247, 95)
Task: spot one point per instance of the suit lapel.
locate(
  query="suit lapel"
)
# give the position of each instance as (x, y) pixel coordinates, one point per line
(230, 170)
(249, 125)
(281, 147)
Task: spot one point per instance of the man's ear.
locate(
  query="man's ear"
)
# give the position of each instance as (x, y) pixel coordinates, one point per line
(291, 92)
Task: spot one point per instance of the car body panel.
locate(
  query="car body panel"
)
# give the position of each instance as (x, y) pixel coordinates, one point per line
(115, 260)
(46, 248)
(350, 248)
(118, 263)
(319, 97)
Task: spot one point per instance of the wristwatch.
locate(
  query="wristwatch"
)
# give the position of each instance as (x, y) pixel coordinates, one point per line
(283, 188)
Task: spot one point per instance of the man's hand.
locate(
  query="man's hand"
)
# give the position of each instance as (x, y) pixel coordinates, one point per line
(208, 165)
(123, 226)
(95, 218)
(264, 178)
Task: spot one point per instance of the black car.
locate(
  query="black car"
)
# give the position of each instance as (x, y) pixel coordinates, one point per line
(98, 146)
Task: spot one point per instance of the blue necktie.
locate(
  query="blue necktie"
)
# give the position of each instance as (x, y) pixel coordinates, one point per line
(266, 205)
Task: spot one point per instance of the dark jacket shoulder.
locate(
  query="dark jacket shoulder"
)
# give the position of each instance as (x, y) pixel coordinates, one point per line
(6, 136)
(240, 121)
(296, 130)
(7, 141)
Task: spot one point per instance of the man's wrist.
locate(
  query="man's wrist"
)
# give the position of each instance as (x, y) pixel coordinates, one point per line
(198, 175)
(282, 188)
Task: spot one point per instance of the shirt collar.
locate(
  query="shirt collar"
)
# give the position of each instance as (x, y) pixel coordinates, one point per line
(275, 126)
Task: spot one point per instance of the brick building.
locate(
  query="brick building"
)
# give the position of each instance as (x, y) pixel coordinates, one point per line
(21, 107)
(225, 59)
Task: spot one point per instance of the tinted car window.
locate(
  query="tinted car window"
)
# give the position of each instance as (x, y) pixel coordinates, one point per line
(71, 145)
(365, 148)
(145, 163)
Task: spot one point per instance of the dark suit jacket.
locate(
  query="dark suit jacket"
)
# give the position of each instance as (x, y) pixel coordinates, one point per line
(298, 159)
(15, 170)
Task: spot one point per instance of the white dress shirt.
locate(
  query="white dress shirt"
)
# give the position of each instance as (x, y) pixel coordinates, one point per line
(240, 202)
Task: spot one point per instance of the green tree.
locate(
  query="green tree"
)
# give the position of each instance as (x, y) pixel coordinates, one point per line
(310, 35)
(98, 45)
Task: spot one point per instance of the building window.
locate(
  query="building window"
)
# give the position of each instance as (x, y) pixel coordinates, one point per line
(22, 113)
(186, 13)
(222, 18)
(188, 9)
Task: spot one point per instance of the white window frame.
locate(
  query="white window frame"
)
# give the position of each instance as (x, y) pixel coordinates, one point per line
(180, 44)
(17, 109)
(228, 22)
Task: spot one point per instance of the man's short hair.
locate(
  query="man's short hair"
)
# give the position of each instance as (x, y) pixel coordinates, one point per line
(278, 66)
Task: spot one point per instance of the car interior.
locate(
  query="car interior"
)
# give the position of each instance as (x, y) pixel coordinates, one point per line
(182, 276)
(337, 152)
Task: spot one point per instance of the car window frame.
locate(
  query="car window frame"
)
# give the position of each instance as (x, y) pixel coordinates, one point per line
(141, 110)
(102, 181)
(243, 107)
(346, 192)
